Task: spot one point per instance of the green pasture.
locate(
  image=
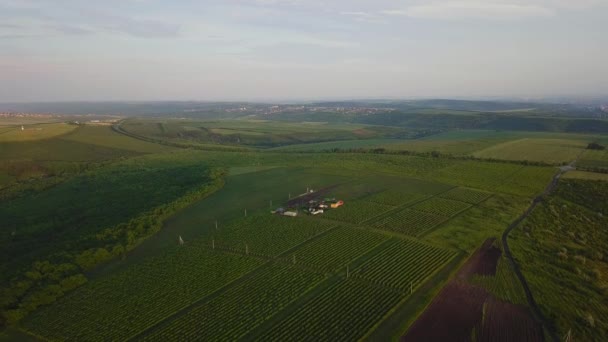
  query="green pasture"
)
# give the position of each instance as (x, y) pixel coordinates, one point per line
(586, 175)
(104, 136)
(554, 151)
(29, 132)
(594, 159)
(561, 251)
(251, 132)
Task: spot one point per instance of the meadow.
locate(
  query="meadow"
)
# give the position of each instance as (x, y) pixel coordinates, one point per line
(552, 151)
(20, 133)
(561, 250)
(247, 132)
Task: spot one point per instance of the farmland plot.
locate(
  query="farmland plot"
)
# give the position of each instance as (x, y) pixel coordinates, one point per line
(345, 311)
(395, 197)
(241, 308)
(357, 211)
(403, 264)
(466, 195)
(543, 150)
(336, 249)
(124, 304)
(409, 222)
(442, 207)
(265, 235)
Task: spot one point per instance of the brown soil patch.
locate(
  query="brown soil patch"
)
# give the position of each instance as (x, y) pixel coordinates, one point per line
(508, 322)
(461, 310)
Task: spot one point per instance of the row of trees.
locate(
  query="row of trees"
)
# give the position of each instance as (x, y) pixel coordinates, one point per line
(434, 154)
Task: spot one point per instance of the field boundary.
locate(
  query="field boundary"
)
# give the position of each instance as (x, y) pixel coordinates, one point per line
(392, 324)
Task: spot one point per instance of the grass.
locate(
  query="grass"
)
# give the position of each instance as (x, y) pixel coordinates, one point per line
(34, 132)
(561, 251)
(251, 132)
(104, 136)
(594, 159)
(554, 151)
(586, 175)
(470, 229)
(57, 149)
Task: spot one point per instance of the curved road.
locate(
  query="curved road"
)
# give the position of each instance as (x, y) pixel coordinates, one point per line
(505, 237)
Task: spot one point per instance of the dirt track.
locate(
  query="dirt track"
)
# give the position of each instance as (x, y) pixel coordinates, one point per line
(505, 243)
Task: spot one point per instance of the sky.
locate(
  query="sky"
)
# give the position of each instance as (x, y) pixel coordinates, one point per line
(209, 50)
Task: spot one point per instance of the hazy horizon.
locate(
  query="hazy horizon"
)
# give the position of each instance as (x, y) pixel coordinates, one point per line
(292, 50)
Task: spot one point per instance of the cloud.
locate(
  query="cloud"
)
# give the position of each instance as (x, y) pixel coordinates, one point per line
(454, 10)
(82, 18)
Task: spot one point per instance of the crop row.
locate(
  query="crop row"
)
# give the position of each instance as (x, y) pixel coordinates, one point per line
(357, 211)
(409, 222)
(336, 249)
(345, 311)
(128, 302)
(395, 197)
(266, 235)
(441, 206)
(241, 308)
(403, 264)
(466, 195)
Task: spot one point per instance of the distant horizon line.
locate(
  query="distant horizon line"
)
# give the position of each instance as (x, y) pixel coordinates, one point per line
(548, 99)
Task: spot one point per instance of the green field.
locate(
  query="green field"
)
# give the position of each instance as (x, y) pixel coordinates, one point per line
(336, 249)
(34, 132)
(587, 175)
(163, 231)
(261, 133)
(561, 249)
(241, 308)
(553, 151)
(594, 159)
(164, 285)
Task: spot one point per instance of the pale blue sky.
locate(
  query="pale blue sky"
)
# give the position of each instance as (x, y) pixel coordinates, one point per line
(57, 50)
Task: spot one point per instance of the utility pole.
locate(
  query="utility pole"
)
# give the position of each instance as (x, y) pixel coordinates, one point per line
(247, 249)
(216, 225)
(245, 212)
(213, 243)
